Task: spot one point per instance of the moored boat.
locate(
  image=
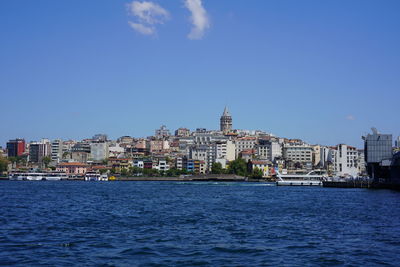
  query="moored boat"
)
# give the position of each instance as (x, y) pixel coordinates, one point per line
(95, 176)
(37, 176)
(313, 178)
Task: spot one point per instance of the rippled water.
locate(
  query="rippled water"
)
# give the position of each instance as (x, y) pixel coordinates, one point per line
(170, 223)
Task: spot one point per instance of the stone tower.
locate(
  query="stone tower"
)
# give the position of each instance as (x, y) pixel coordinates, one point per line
(226, 121)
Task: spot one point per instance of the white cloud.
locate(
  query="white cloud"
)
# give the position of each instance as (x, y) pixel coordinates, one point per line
(199, 19)
(350, 117)
(146, 30)
(147, 14)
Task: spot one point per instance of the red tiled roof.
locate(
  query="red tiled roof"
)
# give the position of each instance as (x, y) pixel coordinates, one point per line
(77, 164)
(260, 162)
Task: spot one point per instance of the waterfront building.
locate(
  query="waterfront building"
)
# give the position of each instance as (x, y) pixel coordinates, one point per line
(206, 153)
(267, 149)
(81, 147)
(182, 132)
(16, 147)
(298, 153)
(78, 156)
(263, 165)
(331, 161)
(245, 143)
(200, 166)
(179, 163)
(162, 165)
(39, 150)
(316, 155)
(72, 168)
(199, 152)
(325, 157)
(226, 121)
(119, 164)
(99, 150)
(116, 150)
(362, 170)
(147, 164)
(377, 147)
(184, 145)
(346, 161)
(188, 164)
(247, 154)
(3, 152)
(378, 153)
(138, 163)
(397, 142)
(56, 150)
(225, 150)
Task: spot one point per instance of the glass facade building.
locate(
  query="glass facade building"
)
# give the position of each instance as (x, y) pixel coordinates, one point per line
(377, 147)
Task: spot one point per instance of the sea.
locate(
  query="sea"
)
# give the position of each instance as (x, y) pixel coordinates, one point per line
(74, 223)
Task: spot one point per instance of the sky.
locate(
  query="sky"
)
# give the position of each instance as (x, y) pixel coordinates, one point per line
(323, 71)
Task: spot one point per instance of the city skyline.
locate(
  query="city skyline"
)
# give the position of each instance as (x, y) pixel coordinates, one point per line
(306, 70)
(226, 112)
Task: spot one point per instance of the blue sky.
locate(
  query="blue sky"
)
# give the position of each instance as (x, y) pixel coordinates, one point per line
(323, 71)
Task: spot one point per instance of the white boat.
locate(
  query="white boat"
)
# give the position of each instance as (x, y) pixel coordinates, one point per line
(95, 176)
(37, 176)
(313, 178)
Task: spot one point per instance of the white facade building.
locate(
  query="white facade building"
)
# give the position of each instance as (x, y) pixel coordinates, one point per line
(263, 165)
(245, 143)
(298, 153)
(99, 151)
(225, 150)
(268, 150)
(115, 150)
(346, 163)
(162, 165)
(206, 153)
(138, 164)
(56, 150)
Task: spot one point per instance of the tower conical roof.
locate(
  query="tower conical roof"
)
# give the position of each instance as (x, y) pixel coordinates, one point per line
(226, 113)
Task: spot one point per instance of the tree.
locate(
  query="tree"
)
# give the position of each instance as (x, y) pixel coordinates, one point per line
(46, 160)
(136, 171)
(257, 173)
(238, 167)
(14, 161)
(124, 172)
(216, 168)
(3, 164)
(103, 171)
(150, 172)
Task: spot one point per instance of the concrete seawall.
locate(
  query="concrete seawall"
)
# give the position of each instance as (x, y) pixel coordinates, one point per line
(347, 184)
(221, 178)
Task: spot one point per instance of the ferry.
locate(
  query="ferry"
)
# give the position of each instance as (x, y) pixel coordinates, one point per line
(95, 176)
(313, 178)
(37, 176)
